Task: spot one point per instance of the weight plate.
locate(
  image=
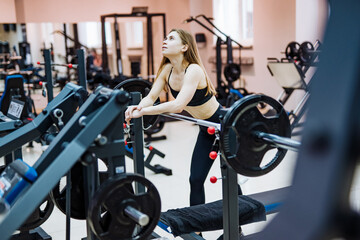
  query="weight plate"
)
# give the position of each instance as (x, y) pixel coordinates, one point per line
(240, 148)
(292, 51)
(232, 72)
(305, 52)
(58, 193)
(114, 195)
(39, 215)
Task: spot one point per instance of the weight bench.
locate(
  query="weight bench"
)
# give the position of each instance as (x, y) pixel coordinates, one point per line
(287, 74)
(184, 222)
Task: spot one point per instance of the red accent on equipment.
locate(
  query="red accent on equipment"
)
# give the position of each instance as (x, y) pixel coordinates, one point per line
(211, 130)
(213, 155)
(213, 179)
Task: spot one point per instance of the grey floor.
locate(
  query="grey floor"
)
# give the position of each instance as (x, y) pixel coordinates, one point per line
(174, 190)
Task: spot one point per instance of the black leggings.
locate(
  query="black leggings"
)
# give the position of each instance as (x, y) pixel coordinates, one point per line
(201, 162)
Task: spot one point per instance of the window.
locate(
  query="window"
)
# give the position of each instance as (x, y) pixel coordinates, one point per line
(90, 34)
(134, 34)
(235, 18)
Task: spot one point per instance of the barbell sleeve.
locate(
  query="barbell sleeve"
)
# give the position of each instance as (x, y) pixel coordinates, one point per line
(139, 217)
(193, 120)
(281, 142)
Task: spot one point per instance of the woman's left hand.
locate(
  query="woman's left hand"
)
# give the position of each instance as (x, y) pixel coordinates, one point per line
(133, 112)
(136, 113)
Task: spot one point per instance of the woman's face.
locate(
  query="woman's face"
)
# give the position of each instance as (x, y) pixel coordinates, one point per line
(172, 44)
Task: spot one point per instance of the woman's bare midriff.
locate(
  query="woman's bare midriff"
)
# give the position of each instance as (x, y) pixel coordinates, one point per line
(205, 110)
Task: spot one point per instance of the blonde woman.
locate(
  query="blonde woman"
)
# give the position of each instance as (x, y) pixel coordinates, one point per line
(182, 71)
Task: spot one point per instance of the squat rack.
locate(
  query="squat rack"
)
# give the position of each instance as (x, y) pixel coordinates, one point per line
(150, 57)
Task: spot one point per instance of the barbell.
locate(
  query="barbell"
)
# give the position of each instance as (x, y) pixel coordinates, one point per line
(246, 134)
(70, 65)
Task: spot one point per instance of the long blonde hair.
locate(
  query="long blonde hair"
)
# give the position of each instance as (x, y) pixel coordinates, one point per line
(191, 56)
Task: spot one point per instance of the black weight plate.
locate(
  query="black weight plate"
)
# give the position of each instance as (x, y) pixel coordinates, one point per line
(142, 86)
(58, 193)
(292, 51)
(305, 52)
(240, 148)
(232, 72)
(113, 196)
(39, 215)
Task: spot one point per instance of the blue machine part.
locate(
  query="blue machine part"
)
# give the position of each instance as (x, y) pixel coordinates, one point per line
(272, 207)
(15, 177)
(237, 92)
(129, 149)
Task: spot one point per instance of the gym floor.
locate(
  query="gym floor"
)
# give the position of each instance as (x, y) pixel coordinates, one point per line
(174, 190)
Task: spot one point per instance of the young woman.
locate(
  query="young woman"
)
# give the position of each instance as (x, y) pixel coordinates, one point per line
(182, 71)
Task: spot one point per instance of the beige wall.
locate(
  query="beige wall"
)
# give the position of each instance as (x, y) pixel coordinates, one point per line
(90, 10)
(274, 28)
(7, 11)
(276, 23)
(311, 17)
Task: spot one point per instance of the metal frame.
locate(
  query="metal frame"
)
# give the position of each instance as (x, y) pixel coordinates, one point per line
(150, 58)
(8, 124)
(67, 100)
(95, 117)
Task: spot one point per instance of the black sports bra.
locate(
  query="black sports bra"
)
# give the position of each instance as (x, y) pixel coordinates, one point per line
(199, 97)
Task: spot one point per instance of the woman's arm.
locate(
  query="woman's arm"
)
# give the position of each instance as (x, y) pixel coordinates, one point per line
(191, 81)
(150, 99)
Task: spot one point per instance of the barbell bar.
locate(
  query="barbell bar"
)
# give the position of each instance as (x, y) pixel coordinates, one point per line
(70, 65)
(277, 141)
(139, 217)
(200, 122)
(274, 140)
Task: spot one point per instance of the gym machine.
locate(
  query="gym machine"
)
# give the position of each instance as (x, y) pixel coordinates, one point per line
(49, 82)
(290, 72)
(92, 130)
(66, 102)
(8, 124)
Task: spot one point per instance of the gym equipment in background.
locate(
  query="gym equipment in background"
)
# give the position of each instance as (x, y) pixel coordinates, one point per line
(290, 73)
(232, 70)
(119, 66)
